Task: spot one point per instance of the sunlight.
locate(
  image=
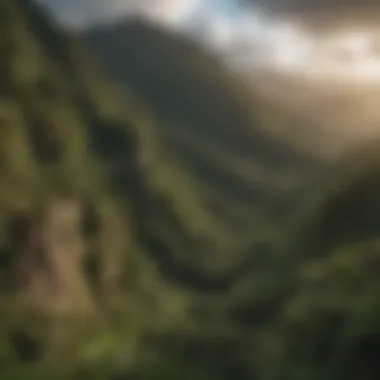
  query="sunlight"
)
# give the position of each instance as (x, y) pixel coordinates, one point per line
(358, 42)
(352, 55)
(348, 55)
(290, 47)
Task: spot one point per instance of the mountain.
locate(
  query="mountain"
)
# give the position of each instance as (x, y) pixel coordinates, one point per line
(105, 239)
(305, 230)
(89, 200)
(220, 133)
(115, 265)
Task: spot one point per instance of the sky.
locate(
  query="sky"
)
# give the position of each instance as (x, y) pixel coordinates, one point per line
(236, 31)
(81, 11)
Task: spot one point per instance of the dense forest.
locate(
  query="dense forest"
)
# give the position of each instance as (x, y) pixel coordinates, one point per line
(154, 225)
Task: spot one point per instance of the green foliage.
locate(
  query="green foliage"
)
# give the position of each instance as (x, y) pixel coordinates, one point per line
(204, 254)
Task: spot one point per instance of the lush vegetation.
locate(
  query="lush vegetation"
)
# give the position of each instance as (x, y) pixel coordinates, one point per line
(165, 233)
(248, 177)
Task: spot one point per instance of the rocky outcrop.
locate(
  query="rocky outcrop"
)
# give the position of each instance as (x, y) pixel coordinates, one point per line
(51, 268)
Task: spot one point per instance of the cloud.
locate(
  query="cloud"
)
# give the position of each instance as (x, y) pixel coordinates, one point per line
(313, 6)
(232, 35)
(167, 11)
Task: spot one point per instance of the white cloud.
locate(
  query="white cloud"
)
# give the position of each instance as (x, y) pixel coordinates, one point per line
(237, 37)
(167, 11)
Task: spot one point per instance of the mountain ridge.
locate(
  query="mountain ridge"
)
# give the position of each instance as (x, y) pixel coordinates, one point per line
(230, 120)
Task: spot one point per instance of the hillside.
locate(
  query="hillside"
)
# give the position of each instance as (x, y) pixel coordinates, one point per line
(307, 307)
(105, 240)
(114, 265)
(92, 208)
(215, 126)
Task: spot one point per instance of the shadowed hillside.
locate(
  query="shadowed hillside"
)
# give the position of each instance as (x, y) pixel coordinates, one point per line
(214, 122)
(247, 176)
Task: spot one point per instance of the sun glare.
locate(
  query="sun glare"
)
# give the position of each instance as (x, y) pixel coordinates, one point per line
(358, 43)
(347, 55)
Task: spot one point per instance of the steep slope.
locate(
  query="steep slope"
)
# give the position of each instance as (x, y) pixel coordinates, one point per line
(313, 312)
(213, 123)
(314, 309)
(335, 250)
(310, 307)
(94, 211)
(93, 205)
(68, 91)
